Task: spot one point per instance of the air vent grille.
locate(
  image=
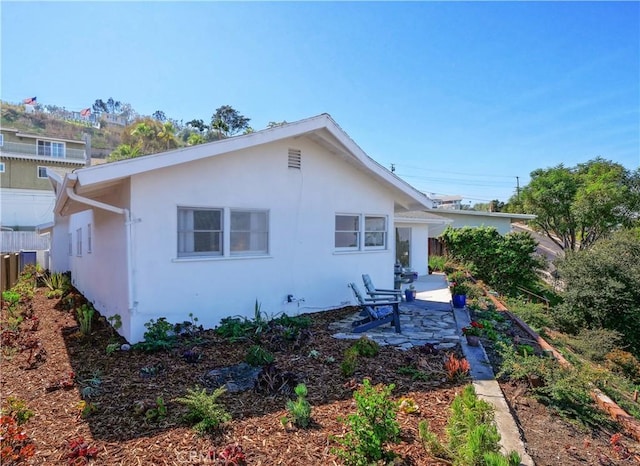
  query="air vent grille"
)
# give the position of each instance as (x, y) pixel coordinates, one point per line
(295, 158)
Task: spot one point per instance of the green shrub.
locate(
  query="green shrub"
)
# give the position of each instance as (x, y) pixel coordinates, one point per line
(204, 411)
(625, 363)
(300, 409)
(371, 428)
(258, 356)
(349, 361)
(595, 344)
(159, 336)
(472, 436)
(366, 347)
(437, 263)
(536, 315)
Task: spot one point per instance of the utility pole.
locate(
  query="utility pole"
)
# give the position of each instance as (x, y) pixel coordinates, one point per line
(393, 168)
(518, 187)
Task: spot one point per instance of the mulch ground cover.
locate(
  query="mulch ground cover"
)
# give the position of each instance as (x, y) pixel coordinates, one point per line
(58, 372)
(72, 371)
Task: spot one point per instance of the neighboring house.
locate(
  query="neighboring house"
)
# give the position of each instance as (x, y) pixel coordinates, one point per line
(446, 202)
(287, 217)
(472, 218)
(25, 190)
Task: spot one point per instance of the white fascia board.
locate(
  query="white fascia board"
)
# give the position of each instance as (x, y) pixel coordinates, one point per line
(62, 198)
(482, 214)
(428, 221)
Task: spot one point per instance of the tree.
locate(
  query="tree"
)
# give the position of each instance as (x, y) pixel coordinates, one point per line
(602, 287)
(575, 207)
(195, 138)
(275, 124)
(124, 151)
(198, 124)
(227, 121)
(159, 115)
(168, 135)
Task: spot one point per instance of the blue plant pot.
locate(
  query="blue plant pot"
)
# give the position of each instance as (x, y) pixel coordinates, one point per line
(410, 295)
(459, 300)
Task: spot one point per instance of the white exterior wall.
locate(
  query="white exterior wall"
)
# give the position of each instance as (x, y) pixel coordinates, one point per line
(26, 207)
(302, 262)
(59, 258)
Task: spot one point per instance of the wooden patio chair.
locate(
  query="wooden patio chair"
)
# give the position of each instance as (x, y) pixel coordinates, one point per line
(377, 311)
(373, 291)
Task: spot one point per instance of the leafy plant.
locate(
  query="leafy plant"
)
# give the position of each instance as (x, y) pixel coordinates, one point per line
(85, 318)
(17, 409)
(56, 281)
(456, 368)
(258, 356)
(15, 445)
(159, 411)
(159, 336)
(271, 380)
(80, 449)
(349, 361)
(371, 427)
(204, 411)
(300, 409)
(472, 437)
(231, 455)
(366, 347)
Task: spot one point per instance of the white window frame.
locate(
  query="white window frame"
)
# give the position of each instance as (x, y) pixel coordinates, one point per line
(89, 239)
(2, 167)
(185, 234)
(79, 242)
(356, 232)
(55, 149)
(371, 233)
(363, 234)
(71, 244)
(40, 167)
(256, 236)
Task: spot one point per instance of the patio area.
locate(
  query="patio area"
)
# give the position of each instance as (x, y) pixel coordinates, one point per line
(428, 319)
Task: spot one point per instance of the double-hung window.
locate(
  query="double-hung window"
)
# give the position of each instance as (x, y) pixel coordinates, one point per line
(375, 232)
(358, 232)
(347, 234)
(249, 233)
(51, 149)
(199, 232)
(42, 172)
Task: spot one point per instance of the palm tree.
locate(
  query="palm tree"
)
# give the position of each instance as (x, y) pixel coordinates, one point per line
(124, 151)
(168, 135)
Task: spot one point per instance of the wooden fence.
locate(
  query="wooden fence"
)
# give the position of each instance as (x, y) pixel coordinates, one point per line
(436, 247)
(8, 270)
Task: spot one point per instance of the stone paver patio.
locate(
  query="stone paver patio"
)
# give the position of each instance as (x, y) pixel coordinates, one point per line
(428, 319)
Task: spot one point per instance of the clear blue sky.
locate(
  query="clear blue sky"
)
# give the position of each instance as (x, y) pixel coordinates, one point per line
(461, 97)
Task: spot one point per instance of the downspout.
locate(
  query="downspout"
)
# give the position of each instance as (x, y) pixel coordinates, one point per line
(127, 217)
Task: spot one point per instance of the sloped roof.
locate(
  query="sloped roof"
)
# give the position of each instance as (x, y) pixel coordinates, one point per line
(321, 128)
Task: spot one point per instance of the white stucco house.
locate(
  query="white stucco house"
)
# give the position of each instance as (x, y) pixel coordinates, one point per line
(287, 216)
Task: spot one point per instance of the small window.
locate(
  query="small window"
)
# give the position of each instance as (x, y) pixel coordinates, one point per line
(375, 232)
(89, 238)
(199, 232)
(1, 167)
(1, 140)
(42, 172)
(70, 244)
(347, 231)
(249, 232)
(79, 242)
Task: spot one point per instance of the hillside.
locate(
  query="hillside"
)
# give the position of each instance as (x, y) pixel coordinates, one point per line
(103, 140)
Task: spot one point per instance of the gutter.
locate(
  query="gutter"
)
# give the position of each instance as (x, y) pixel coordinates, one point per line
(71, 194)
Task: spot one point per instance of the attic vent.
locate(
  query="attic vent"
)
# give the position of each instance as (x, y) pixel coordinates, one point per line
(295, 158)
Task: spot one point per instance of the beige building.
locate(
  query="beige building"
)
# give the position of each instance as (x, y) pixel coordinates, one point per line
(26, 195)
